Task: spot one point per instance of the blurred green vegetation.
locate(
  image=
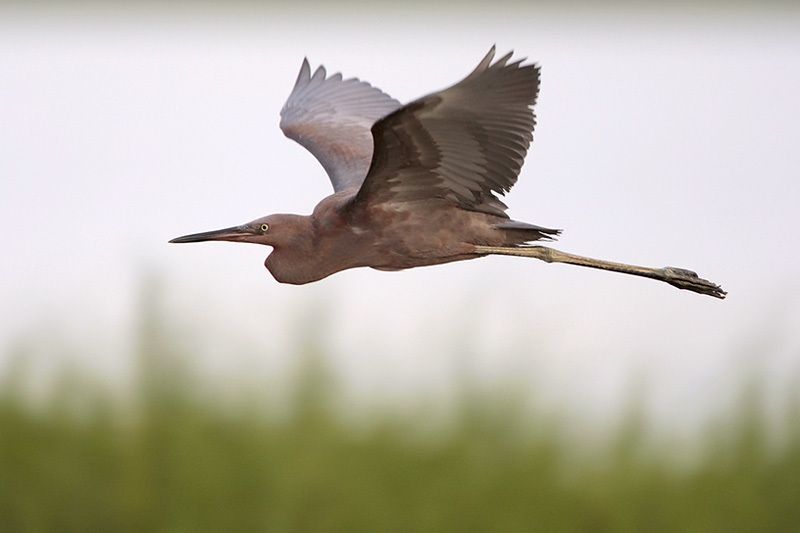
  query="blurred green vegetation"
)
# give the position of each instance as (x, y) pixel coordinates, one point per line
(165, 456)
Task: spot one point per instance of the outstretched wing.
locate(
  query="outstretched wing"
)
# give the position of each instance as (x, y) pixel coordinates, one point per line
(464, 144)
(332, 117)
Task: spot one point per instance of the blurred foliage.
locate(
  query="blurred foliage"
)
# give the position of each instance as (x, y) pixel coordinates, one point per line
(170, 458)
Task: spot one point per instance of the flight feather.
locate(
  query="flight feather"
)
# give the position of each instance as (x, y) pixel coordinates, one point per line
(331, 117)
(465, 144)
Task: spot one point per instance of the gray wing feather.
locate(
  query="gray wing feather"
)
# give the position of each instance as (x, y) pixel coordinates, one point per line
(465, 144)
(331, 117)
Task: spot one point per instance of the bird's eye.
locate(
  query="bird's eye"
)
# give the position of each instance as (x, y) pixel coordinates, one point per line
(264, 228)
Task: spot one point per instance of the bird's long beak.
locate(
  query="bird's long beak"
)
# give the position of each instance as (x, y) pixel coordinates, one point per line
(236, 233)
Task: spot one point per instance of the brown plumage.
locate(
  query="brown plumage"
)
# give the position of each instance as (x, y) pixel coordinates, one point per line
(414, 184)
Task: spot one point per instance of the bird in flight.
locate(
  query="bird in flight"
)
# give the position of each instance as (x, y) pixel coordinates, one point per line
(415, 184)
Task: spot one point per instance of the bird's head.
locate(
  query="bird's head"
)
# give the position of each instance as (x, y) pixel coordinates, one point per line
(271, 230)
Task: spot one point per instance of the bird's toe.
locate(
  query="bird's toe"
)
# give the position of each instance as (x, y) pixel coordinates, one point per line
(689, 280)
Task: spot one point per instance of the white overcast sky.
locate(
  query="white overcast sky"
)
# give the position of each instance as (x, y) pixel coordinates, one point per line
(664, 138)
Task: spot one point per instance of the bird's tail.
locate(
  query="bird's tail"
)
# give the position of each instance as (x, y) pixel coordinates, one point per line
(522, 232)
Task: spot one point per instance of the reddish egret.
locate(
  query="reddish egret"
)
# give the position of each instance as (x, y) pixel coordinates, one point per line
(415, 184)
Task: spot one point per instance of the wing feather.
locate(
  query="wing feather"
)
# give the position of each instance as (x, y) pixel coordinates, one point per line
(331, 117)
(465, 144)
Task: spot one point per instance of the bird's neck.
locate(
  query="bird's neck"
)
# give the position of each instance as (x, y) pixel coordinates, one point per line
(317, 252)
(291, 260)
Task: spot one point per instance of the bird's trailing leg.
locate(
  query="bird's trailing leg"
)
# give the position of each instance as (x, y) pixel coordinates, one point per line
(677, 277)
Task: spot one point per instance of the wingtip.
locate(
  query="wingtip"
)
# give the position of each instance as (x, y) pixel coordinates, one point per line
(503, 60)
(485, 62)
(319, 74)
(490, 54)
(304, 76)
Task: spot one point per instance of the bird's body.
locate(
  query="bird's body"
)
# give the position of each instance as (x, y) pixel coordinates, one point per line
(341, 234)
(416, 184)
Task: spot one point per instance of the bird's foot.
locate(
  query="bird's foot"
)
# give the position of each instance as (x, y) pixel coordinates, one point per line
(686, 279)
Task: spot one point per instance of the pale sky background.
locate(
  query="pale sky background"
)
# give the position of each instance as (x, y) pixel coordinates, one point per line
(663, 138)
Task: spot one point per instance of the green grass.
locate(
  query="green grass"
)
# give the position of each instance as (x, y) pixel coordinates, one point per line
(169, 458)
